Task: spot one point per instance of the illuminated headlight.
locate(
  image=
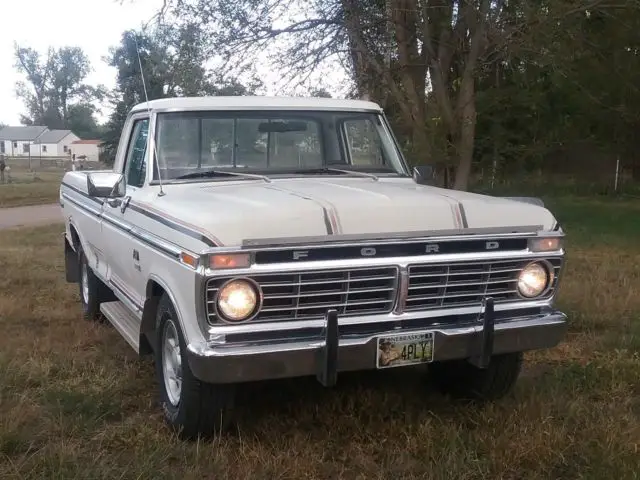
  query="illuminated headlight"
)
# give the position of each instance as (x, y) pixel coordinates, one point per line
(238, 300)
(534, 280)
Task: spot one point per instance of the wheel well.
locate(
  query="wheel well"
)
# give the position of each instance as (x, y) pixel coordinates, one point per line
(154, 289)
(72, 275)
(75, 238)
(148, 327)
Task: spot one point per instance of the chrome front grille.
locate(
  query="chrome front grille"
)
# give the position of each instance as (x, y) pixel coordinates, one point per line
(434, 286)
(309, 294)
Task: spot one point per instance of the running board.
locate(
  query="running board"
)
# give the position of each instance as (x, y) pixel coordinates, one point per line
(124, 322)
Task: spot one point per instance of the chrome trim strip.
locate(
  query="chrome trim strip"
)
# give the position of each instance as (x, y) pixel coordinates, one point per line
(292, 325)
(148, 238)
(80, 192)
(126, 299)
(169, 249)
(384, 261)
(391, 237)
(136, 207)
(229, 109)
(121, 294)
(160, 245)
(153, 216)
(403, 291)
(86, 208)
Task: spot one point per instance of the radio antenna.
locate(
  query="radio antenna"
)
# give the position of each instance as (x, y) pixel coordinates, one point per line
(146, 98)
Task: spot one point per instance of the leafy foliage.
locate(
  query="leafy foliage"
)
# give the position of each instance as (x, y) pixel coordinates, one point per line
(172, 61)
(54, 91)
(466, 84)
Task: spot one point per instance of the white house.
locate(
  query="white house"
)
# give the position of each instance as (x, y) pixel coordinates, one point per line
(86, 150)
(17, 141)
(53, 143)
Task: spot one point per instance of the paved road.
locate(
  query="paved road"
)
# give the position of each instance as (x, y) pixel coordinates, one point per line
(30, 216)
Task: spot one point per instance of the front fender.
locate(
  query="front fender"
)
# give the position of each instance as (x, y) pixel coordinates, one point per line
(182, 294)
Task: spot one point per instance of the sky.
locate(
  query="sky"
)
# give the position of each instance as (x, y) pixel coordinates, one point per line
(93, 25)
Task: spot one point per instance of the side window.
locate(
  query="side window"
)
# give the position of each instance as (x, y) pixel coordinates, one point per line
(135, 163)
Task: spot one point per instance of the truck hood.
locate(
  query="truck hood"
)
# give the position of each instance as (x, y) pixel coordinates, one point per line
(233, 212)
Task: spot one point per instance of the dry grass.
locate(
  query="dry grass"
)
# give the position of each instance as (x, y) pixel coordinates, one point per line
(29, 188)
(75, 402)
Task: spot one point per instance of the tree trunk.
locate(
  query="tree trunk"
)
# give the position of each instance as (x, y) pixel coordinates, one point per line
(466, 132)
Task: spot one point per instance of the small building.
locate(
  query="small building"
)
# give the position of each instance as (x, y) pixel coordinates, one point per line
(54, 143)
(86, 150)
(18, 141)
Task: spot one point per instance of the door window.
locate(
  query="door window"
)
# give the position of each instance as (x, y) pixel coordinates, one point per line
(136, 162)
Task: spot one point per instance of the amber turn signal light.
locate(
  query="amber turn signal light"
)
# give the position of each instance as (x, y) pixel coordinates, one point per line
(549, 244)
(189, 259)
(235, 260)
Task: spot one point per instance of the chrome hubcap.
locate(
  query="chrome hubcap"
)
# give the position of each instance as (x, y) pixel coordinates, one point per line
(85, 283)
(171, 362)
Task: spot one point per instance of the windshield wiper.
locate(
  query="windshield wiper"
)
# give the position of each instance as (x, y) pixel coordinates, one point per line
(320, 170)
(354, 172)
(213, 173)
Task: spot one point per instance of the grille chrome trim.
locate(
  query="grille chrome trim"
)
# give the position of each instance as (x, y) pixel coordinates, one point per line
(457, 284)
(309, 294)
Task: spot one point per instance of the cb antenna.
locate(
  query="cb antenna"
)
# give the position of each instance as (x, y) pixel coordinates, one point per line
(151, 135)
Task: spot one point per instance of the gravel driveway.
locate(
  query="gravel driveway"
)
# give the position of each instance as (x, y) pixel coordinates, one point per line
(30, 216)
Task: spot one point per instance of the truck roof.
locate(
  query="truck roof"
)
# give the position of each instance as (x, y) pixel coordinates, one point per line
(255, 103)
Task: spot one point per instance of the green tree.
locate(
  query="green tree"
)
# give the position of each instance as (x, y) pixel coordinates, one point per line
(55, 84)
(423, 60)
(173, 64)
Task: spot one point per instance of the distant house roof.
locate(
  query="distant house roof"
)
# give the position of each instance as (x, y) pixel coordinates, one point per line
(53, 136)
(87, 142)
(21, 133)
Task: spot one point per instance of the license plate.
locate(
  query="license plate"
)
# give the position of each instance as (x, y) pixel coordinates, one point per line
(407, 349)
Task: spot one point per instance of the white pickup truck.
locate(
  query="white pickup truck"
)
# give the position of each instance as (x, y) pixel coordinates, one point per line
(248, 238)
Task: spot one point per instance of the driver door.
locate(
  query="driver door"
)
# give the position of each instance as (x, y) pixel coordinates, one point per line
(122, 248)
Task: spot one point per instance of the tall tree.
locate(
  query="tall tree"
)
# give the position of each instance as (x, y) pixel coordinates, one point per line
(173, 64)
(420, 59)
(54, 83)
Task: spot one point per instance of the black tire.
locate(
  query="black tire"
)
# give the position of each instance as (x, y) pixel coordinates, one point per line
(96, 293)
(461, 379)
(199, 409)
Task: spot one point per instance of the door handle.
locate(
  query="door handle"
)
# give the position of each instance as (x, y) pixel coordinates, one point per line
(117, 202)
(114, 202)
(125, 204)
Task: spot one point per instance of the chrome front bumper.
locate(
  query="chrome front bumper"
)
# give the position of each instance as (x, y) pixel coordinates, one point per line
(262, 360)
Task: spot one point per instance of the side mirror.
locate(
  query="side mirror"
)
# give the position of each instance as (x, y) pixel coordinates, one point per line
(105, 185)
(424, 174)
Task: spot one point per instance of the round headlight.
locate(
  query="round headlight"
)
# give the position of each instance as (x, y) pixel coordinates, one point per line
(237, 300)
(533, 280)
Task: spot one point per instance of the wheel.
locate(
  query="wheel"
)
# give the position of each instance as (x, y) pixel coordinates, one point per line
(191, 408)
(92, 291)
(460, 378)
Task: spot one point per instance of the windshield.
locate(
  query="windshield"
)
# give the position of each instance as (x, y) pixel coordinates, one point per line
(274, 142)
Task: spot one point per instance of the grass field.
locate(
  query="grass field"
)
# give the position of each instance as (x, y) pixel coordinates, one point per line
(75, 402)
(29, 189)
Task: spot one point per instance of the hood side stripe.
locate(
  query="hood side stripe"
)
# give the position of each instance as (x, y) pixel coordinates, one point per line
(175, 224)
(463, 216)
(327, 222)
(329, 215)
